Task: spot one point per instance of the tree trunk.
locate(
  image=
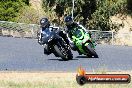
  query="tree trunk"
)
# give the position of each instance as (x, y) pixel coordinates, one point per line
(129, 5)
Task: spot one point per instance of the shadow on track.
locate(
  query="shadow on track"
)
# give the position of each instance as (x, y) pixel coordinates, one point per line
(85, 57)
(61, 59)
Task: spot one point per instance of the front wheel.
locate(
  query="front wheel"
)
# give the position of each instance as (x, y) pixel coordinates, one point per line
(63, 53)
(91, 51)
(69, 55)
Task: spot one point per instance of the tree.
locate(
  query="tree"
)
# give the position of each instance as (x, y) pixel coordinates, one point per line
(105, 9)
(87, 8)
(83, 8)
(26, 2)
(129, 5)
(28, 15)
(94, 14)
(9, 9)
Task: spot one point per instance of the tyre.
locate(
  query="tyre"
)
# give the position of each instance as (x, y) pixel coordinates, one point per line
(58, 51)
(91, 51)
(55, 53)
(67, 50)
(69, 55)
(81, 80)
(63, 51)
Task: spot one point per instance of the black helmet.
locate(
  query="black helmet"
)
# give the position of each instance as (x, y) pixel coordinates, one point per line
(44, 22)
(68, 20)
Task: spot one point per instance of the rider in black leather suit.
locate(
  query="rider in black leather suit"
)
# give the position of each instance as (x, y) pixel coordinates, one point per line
(44, 22)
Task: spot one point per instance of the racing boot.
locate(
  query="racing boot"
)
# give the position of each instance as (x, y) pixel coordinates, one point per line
(74, 48)
(46, 50)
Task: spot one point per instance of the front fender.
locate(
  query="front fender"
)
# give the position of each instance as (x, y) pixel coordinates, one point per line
(91, 44)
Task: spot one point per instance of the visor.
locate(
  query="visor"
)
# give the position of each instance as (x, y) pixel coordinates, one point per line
(69, 23)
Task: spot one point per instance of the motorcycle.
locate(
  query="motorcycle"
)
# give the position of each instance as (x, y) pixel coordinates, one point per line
(83, 42)
(56, 43)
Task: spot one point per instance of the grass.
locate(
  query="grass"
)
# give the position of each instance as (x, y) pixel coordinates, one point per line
(48, 80)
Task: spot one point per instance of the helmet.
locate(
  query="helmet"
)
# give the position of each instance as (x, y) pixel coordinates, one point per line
(44, 22)
(68, 20)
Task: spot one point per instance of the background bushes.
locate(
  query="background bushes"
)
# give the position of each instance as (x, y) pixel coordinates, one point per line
(94, 14)
(9, 9)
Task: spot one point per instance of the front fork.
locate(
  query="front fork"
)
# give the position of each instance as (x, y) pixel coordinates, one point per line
(90, 43)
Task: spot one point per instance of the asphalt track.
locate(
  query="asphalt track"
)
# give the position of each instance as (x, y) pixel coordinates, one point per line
(20, 54)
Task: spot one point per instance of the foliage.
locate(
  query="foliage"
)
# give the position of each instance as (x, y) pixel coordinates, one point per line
(28, 15)
(54, 9)
(95, 14)
(9, 9)
(83, 8)
(101, 17)
(26, 2)
(129, 5)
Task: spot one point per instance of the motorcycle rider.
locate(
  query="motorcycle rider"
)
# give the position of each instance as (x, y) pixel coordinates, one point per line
(70, 24)
(45, 24)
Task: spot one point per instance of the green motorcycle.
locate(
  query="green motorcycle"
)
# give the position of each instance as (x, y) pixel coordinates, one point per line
(83, 42)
